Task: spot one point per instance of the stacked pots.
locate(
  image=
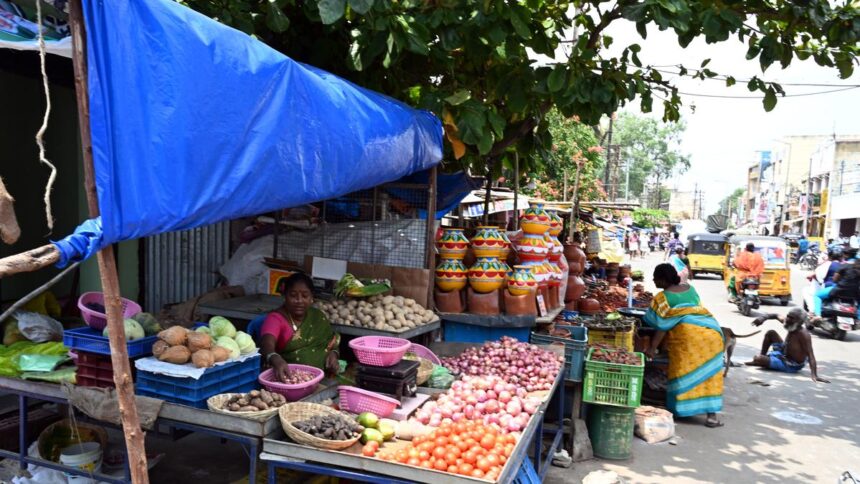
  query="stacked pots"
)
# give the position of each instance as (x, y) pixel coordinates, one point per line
(488, 273)
(451, 274)
(533, 248)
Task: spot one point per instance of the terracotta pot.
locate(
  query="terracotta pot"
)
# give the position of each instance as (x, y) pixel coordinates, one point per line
(535, 220)
(487, 275)
(588, 305)
(521, 281)
(575, 288)
(451, 275)
(556, 224)
(572, 305)
(453, 244)
(574, 268)
(485, 304)
(552, 301)
(520, 305)
(507, 249)
(532, 248)
(574, 254)
(449, 302)
(488, 242)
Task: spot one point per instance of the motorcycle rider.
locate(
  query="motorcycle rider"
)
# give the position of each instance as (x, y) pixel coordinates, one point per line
(823, 278)
(750, 264)
(845, 284)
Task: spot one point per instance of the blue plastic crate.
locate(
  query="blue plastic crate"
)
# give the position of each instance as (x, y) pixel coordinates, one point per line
(201, 403)
(218, 379)
(92, 341)
(574, 348)
(527, 474)
(470, 333)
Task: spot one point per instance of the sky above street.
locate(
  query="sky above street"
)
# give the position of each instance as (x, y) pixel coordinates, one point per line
(723, 135)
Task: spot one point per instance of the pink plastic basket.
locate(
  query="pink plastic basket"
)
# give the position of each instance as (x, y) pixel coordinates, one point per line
(355, 400)
(292, 392)
(379, 350)
(424, 352)
(97, 320)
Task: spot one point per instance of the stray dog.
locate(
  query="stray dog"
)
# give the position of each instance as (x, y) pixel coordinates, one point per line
(730, 339)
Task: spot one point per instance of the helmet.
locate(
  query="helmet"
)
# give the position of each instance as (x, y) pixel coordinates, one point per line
(834, 253)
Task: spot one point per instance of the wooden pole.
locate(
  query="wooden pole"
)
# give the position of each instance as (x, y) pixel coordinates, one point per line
(487, 199)
(32, 260)
(516, 191)
(134, 436)
(574, 215)
(431, 234)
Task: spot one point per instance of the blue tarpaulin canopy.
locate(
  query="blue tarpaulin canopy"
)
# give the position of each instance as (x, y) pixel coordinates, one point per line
(194, 123)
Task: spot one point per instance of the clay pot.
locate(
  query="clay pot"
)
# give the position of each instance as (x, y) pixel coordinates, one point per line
(451, 275)
(588, 306)
(571, 305)
(453, 244)
(484, 304)
(575, 288)
(532, 248)
(556, 224)
(574, 268)
(552, 301)
(520, 305)
(535, 220)
(449, 302)
(488, 242)
(574, 254)
(521, 281)
(487, 275)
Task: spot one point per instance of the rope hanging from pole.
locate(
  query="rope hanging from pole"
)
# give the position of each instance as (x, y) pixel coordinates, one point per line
(40, 142)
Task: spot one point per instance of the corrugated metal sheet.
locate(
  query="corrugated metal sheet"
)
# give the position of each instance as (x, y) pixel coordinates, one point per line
(182, 265)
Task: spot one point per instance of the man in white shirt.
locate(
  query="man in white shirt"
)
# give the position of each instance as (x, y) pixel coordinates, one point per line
(854, 241)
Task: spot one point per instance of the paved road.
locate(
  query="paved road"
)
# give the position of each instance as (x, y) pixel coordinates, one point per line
(755, 445)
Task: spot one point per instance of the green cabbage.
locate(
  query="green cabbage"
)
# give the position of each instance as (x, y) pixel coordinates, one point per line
(204, 329)
(230, 344)
(221, 326)
(245, 342)
(133, 330)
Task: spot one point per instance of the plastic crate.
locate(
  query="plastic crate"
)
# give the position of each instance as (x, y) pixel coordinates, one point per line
(621, 339)
(91, 341)
(95, 370)
(613, 383)
(574, 348)
(236, 388)
(526, 474)
(470, 333)
(218, 379)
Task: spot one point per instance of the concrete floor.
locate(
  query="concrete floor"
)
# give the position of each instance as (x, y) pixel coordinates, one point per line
(755, 445)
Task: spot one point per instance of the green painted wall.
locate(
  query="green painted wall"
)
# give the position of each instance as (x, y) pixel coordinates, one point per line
(25, 178)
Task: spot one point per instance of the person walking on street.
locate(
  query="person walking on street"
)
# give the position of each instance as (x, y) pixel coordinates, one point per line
(643, 245)
(671, 245)
(854, 241)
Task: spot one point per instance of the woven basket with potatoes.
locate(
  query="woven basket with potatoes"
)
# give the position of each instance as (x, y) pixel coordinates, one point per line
(247, 405)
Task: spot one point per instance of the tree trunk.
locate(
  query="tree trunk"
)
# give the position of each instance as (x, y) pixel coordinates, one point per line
(29, 261)
(9, 229)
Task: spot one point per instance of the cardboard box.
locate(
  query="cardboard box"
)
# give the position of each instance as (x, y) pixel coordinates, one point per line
(276, 276)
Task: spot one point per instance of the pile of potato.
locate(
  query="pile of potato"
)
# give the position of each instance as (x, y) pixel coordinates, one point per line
(383, 313)
(179, 345)
(253, 401)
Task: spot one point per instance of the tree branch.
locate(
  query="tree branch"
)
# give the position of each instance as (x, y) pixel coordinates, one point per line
(521, 130)
(605, 20)
(29, 261)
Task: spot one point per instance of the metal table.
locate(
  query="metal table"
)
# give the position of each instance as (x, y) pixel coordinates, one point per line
(280, 454)
(408, 334)
(247, 433)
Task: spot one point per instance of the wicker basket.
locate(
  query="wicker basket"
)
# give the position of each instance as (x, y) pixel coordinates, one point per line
(298, 411)
(215, 402)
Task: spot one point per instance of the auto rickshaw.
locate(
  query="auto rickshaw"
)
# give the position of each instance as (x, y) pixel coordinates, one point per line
(706, 253)
(776, 280)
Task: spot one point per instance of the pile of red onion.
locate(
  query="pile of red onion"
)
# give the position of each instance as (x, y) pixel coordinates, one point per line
(487, 399)
(524, 365)
(299, 376)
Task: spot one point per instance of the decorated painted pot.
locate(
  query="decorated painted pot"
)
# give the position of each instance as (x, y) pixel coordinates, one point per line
(535, 220)
(532, 248)
(451, 275)
(453, 244)
(556, 276)
(486, 275)
(521, 281)
(488, 242)
(539, 271)
(507, 249)
(556, 251)
(555, 223)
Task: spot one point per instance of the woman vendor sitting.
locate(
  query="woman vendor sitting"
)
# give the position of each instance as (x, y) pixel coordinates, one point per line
(296, 332)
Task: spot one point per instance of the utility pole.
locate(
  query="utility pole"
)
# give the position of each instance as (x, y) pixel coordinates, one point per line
(695, 201)
(627, 182)
(608, 155)
(808, 201)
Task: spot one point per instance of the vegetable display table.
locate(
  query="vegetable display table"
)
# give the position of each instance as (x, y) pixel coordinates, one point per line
(277, 453)
(247, 433)
(244, 307)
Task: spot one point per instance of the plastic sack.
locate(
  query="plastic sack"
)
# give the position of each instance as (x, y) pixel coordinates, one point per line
(63, 375)
(10, 355)
(246, 268)
(440, 378)
(39, 328)
(43, 363)
(653, 424)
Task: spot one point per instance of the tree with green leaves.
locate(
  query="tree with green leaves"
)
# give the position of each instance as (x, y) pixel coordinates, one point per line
(651, 148)
(650, 217)
(473, 63)
(730, 203)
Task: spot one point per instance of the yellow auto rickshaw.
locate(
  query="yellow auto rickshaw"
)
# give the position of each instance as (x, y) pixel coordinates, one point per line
(776, 280)
(706, 253)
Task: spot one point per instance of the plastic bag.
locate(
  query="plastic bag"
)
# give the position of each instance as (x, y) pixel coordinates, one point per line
(653, 424)
(43, 363)
(39, 328)
(440, 378)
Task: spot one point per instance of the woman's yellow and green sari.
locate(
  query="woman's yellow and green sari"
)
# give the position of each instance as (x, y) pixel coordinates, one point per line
(695, 344)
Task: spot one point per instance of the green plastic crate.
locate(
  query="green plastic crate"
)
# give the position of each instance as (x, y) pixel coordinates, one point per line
(613, 383)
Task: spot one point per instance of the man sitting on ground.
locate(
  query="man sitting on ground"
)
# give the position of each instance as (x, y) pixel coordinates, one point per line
(789, 355)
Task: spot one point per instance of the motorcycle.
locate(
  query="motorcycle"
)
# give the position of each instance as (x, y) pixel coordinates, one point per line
(838, 316)
(811, 259)
(748, 299)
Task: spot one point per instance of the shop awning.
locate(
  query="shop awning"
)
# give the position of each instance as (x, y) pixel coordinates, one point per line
(194, 122)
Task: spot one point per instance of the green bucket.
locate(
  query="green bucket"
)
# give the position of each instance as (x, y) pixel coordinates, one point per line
(611, 431)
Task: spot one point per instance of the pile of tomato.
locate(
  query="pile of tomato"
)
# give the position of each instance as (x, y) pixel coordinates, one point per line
(466, 448)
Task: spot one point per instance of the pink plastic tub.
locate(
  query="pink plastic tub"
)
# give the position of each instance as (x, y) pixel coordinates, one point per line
(424, 352)
(356, 400)
(292, 392)
(379, 350)
(97, 320)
